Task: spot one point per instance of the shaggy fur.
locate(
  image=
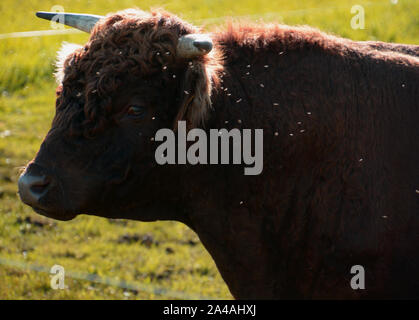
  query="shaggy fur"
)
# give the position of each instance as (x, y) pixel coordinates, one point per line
(340, 181)
(141, 44)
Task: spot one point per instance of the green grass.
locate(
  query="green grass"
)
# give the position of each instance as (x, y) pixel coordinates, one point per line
(93, 245)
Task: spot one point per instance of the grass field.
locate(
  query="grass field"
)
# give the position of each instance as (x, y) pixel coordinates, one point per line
(160, 259)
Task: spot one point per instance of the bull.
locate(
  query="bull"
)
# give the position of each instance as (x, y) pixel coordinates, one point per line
(340, 179)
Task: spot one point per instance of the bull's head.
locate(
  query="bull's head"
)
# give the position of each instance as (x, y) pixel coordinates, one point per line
(138, 72)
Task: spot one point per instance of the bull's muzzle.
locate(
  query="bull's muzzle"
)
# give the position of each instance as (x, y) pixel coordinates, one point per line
(32, 188)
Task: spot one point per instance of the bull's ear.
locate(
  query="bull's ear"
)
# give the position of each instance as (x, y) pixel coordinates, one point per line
(195, 93)
(62, 55)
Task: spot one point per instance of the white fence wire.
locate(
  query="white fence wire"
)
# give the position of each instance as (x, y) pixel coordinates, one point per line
(40, 33)
(158, 291)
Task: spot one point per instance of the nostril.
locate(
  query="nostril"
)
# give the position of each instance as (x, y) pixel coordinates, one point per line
(32, 187)
(38, 187)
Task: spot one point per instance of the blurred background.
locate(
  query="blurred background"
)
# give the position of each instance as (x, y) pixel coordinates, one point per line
(115, 259)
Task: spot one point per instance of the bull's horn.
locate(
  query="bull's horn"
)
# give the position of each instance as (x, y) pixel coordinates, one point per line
(83, 22)
(194, 45)
(189, 46)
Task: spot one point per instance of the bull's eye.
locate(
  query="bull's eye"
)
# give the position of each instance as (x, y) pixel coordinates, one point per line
(136, 111)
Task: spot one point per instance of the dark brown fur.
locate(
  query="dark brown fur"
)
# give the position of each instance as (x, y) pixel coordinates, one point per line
(340, 179)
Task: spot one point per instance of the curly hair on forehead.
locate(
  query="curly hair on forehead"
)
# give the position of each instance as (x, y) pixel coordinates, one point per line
(139, 44)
